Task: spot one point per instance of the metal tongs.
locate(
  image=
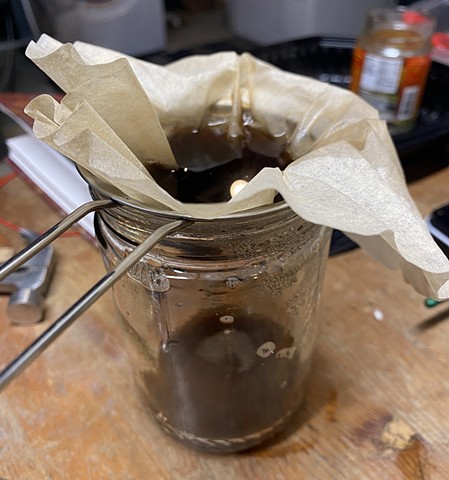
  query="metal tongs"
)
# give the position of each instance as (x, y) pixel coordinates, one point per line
(85, 301)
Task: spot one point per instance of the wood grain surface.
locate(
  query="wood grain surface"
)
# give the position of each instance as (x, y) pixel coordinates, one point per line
(375, 408)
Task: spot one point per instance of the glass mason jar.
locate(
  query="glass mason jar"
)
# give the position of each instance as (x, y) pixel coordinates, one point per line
(220, 318)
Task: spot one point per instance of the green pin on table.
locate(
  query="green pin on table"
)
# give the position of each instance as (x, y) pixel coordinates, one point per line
(430, 302)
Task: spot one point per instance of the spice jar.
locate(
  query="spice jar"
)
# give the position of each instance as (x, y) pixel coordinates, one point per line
(220, 318)
(391, 63)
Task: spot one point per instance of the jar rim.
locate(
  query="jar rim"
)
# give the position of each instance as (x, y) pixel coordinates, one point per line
(109, 191)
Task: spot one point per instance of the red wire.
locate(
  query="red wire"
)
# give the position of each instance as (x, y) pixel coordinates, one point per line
(9, 225)
(12, 226)
(16, 228)
(71, 234)
(7, 178)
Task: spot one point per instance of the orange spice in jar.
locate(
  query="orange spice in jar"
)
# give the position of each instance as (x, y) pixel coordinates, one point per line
(391, 62)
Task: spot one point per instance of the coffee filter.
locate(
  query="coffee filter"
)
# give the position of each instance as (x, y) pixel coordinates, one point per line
(118, 112)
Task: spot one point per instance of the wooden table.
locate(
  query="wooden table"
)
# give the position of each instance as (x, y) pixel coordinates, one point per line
(376, 405)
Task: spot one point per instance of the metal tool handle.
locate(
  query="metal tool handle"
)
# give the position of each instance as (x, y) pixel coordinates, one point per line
(51, 234)
(80, 306)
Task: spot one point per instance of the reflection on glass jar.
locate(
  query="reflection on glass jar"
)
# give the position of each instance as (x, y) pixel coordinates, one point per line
(220, 318)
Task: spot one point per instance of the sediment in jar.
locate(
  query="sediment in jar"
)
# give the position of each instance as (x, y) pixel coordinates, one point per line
(226, 376)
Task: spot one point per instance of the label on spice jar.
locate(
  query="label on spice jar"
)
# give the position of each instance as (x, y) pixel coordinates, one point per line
(381, 74)
(392, 85)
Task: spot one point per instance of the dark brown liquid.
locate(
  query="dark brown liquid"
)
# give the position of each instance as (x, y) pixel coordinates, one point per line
(223, 380)
(226, 160)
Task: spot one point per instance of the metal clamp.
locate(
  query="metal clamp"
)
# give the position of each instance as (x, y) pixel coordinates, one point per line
(84, 302)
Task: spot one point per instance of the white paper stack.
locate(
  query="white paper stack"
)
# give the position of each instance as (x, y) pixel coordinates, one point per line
(52, 173)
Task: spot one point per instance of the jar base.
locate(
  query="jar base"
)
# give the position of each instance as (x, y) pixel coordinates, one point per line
(222, 445)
